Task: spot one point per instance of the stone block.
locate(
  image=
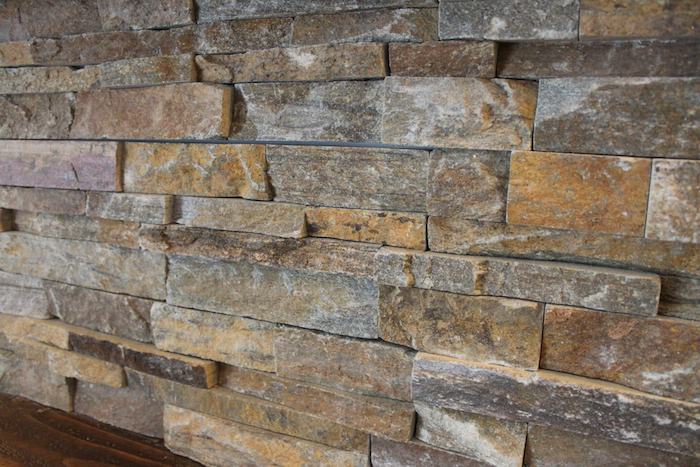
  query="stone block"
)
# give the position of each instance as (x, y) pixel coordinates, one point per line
(579, 192)
(47, 331)
(7, 220)
(44, 18)
(144, 71)
(680, 297)
(129, 207)
(386, 453)
(38, 116)
(54, 79)
(147, 14)
(450, 58)
(42, 200)
(16, 53)
(23, 296)
(225, 37)
(27, 379)
(11, 26)
(432, 112)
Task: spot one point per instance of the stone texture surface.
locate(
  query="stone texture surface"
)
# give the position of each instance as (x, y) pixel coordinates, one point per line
(313, 63)
(215, 442)
(309, 111)
(370, 368)
(330, 302)
(150, 209)
(619, 58)
(242, 35)
(27, 379)
(680, 297)
(454, 58)
(585, 406)
(146, 71)
(42, 200)
(484, 329)
(674, 201)
(548, 447)
(489, 440)
(579, 192)
(23, 296)
(386, 453)
(190, 110)
(627, 116)
(401, 25)
(239, 341)
(25, 80)
(196, 169)
(432, 112)
(121, 315)
(468, 184)
(61, 164)
(278, 219)
(16, 53)
(658, 356)
(11, 26)
(45, 18)
(388, 228)
(123, 14)
(48, 331)
(380, 416)
(505, 20)
(7, 219)
(495, 239)
(41, 116)
(392, 179)
(628, 19)
(83, 263)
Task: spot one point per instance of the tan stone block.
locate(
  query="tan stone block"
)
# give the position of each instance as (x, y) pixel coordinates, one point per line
(16, 53)
(147, 14)
(42, 200)
(580, 192)
(25, 80)
(144, 71)
(50, 331)
(36, 116)
(449, 58)
(386, 453)
(130, 207)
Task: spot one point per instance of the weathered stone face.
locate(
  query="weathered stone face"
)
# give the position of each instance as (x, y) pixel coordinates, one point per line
(628, 19)
(330, 302)
(508, 21)
(386, 453)
(309, 111)
(16, 53)
(484, 329)
(468, 184)
(432, 112)
(242, 35)
(27, 379)
(215, 441)
(471, 59)
(680, 297)
(377, 415)
(26, 80)
(11, 26)
(194, 110)
(579, 192)
(23, 296)
(563, 401)
(47, 331)
(152, 209)
(238, 341)
(593, 115)
(278, 219)
(7, 217)
(196, 169)
(41, 116)
(146, 71)
(48, 19)
(392, 179)
(371, 368)
(403, 25)
(674, 201)
(388, 228)
(490, 440)
(313, 63)
(43, 200)
(83, 263)
(122, 14)
(658, 356)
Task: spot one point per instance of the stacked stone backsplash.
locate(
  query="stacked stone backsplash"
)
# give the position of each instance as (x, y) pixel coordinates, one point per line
(397, 232)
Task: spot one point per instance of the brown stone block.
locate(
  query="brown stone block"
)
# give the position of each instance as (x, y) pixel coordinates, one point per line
(240, 36)
(43, 200)
(680, 297)
(451, 58)
(40, 116)
(23, 296)
(16, 53)
(386, 453)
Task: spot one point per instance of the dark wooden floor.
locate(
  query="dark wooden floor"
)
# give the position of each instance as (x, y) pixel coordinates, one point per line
(35, 435)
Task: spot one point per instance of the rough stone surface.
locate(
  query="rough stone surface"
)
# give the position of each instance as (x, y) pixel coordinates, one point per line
(388, 228)
(242, 35)
(7, 217)
(26, 80)
(404, 25)
(680, 297)
(190, 110)
(22, 296)
(468, 184)
(494, 239)
(196, 169)
(42, 200)
(658, 356)
(568, 402)
(83, 263)
(61, 164)
(579, 192)
(489, 440)
(327, 111)
(674, 201)
(380, 416)
(329, 302)
(44, 18)
(432, 112)
(27, 379)
(370, 368)
(239, 341)
(215, 442)
(106, 312)
(628, 19)
(453, 58)
(483, 329)
(16, 53)
(124, 14)
(392, 179)
(151, 209)
(146, 71)
(548, 447)
(627, 116)
(278, 219)
(313, 63)
(505, 20)
(41, 116)
(11, 26)
(622, 58)
(48, 331)
(386, 453)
